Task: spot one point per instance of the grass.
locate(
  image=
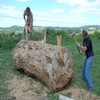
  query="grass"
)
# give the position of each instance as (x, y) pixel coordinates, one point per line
(6, 67)
(51, 96)
(5, 62)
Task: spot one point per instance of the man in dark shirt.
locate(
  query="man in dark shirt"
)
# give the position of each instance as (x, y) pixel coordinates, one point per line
(88, 49)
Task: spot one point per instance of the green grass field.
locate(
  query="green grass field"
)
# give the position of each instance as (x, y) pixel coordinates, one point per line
(7, 67)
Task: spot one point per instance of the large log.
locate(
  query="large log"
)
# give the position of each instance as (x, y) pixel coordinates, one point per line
(45, 63)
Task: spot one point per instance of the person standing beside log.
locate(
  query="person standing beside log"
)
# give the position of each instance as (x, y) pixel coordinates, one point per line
(28, 18)
(88, 49)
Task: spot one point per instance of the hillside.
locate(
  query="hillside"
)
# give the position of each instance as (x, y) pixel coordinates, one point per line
(20, 28)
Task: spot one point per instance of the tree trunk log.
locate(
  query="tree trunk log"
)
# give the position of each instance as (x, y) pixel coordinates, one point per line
(45, 63)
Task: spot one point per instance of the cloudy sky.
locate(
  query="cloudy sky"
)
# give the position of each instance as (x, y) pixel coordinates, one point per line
(68, 13)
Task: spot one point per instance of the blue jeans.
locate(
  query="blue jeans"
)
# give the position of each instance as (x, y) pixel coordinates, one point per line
(86, 71)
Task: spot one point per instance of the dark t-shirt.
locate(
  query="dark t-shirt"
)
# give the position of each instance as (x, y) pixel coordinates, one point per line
(89, 52)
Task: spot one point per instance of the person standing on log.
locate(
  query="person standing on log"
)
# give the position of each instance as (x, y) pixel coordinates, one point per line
(88, 49)
(28, 18)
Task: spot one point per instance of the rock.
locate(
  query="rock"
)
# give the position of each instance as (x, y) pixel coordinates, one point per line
(61, 97)
(45, 63)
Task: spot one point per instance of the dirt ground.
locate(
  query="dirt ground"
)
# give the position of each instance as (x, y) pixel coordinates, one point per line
(27, 88)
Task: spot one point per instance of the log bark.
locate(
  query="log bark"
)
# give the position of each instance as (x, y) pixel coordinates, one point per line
(45, 63)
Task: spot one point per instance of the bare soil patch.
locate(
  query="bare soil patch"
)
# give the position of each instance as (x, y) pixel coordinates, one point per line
(27, 88)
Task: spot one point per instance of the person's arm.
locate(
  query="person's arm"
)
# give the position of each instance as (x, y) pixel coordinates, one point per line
(24, 15)
(31, 16)
(83, 48)
(31, 22)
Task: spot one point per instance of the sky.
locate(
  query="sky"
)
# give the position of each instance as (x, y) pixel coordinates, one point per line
(58, 13)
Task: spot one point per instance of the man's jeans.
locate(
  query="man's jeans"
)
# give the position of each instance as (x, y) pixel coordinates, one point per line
(86, 71)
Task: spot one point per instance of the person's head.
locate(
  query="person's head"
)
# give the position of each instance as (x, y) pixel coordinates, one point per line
(84, 34)
(27, 10)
